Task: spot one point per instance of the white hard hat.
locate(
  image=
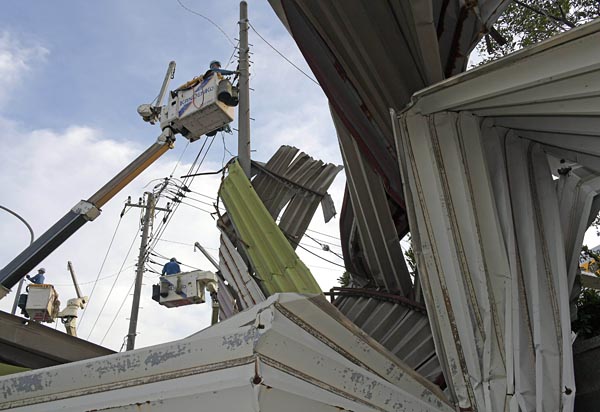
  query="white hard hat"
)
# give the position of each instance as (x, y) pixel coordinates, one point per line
(42, 270)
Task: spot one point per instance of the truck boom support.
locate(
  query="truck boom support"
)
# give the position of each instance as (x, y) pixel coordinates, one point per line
(83, 212)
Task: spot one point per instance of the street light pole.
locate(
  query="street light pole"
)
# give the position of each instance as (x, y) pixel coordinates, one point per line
(15, 303)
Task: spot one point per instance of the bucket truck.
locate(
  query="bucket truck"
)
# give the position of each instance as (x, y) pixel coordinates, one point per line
(190, 111)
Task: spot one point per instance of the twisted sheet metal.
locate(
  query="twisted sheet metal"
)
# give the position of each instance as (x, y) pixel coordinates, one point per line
(277, 266)
(496, 221)
(235, 271)
(401, 326)
(294, 180)
(369, 56)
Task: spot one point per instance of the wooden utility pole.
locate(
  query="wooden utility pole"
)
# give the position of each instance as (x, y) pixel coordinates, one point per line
(135, 306)
(244, 91)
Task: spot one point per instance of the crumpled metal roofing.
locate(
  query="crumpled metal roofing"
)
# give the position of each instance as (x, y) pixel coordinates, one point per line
(275, 263)
(369, 56)
(294, 180)
(235, 271)
(400, 326)
(502, 165)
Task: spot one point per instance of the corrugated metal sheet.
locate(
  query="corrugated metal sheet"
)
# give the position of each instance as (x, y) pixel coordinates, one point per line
(401, 327)
(382, 254)
(235, 271)
(294, 180)
(370, 56)
(276, 264)
(227, 302)
(493, 231)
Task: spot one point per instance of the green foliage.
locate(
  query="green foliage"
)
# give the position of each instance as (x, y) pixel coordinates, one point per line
(344, 280)
(526, 22)
(587, 324)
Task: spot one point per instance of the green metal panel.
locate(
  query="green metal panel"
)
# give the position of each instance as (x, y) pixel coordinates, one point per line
(272, 257)
(6, 369)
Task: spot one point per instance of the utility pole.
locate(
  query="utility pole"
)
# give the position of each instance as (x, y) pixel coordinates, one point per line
(244, 92)
(135, 306)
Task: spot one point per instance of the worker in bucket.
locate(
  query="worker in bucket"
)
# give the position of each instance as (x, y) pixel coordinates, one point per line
(171, 267)
(215, 66)
(39, 278)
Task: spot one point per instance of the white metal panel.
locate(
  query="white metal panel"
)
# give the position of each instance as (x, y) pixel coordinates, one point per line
(235, 271)
(300, 347)
(459, 227)
(549, 93)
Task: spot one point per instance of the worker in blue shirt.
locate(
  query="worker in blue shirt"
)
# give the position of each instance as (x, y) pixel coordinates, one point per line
(39, 278)
(215, 66)
(171, 267)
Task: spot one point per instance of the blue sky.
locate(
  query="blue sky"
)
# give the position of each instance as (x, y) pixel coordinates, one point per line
(71, 77)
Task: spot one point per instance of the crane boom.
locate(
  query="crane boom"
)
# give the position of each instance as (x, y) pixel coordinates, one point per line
(82, 212)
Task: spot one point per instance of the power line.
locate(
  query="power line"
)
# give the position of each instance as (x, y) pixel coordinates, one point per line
(283, 56)
(323, 246)
(320, 257)
(118, 311)
(113, 285)
(180, 157)
(101, 267)
(92, 281)
(207, 19)
(324, 234)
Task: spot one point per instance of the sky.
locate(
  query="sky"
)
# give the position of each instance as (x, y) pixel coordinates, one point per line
(71, 77)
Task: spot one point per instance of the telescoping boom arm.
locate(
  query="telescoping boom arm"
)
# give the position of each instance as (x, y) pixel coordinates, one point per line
(192, 112)
(82, 212)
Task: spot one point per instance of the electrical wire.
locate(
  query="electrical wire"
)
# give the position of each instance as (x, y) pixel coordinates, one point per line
(320, 257)
(185, 183)
(230, 60)
(180, 157)
(283, 56)
(113, 285)
(92, 281)
(186, 244)
(118, 311)
(101, 267)
(324, 234)
(207, 19)
(324, 246)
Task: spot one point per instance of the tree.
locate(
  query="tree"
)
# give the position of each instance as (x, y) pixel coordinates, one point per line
(527, 22)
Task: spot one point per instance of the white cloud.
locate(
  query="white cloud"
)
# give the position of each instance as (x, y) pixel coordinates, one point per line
(44, 172)
(16, 59)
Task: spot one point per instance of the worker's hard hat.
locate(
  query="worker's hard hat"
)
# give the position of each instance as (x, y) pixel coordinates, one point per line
(214, 63)
(173, 260)
(42, 270)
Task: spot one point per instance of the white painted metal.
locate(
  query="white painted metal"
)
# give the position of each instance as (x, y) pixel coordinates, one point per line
(496, 236)
(289, 353)
(186, 288)
(196, 110)
(235, 271)
(42, 303)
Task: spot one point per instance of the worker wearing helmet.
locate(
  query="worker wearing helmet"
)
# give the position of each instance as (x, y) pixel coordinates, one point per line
(39, 278)
(171, 267)
(215, 66)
